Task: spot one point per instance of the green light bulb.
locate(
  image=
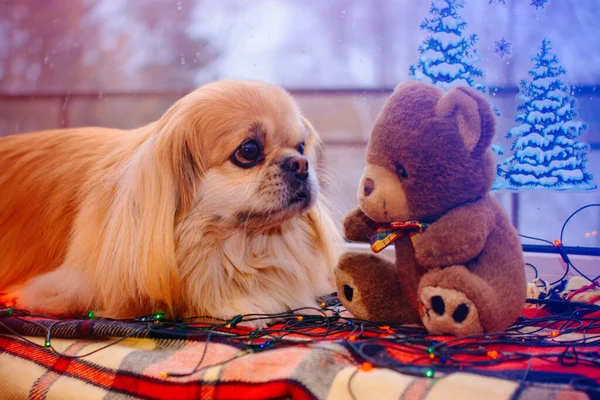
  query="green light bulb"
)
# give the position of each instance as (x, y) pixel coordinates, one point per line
(430, 350)
(47, 343)
(429, 373)
(91, 315)
(11, 311)
(159, 315)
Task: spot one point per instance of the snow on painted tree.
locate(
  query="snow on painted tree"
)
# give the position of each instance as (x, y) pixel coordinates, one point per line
(547, 152)
(499, 181)
(447, 57)
(538, 3)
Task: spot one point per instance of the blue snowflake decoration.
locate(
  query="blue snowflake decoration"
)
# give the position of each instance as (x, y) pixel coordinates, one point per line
(502, 47)
(538, 3)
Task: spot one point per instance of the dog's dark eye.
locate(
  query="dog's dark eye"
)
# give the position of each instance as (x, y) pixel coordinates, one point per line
(248, 154)
(401, 171)
(300, 148)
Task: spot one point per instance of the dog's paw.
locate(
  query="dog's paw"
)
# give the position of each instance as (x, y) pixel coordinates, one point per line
(256, 324)
(23, 300)
(35, 301)
(9, 300)
(52, 294)
(448, 311)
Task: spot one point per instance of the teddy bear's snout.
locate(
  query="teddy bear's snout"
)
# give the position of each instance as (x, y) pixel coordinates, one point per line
(369, 187)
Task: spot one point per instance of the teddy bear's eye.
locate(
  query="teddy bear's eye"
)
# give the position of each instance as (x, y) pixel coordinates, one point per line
(401, 171)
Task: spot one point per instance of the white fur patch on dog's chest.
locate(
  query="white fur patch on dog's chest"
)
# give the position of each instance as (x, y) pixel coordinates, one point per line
(268, 272)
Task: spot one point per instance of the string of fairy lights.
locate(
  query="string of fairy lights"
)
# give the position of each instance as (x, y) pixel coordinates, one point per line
(558, 244)
(568, 336)
(327, 324)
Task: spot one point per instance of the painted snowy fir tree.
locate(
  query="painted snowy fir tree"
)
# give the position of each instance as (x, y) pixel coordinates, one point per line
(547, 152)
(446, 56)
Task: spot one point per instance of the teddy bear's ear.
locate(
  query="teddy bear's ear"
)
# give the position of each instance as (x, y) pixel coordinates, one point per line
(473, 114)
(406, 84)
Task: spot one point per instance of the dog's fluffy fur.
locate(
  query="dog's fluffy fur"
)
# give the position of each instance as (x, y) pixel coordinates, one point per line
(127, 223)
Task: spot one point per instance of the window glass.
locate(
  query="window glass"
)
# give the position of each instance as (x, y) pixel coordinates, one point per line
(122, 63)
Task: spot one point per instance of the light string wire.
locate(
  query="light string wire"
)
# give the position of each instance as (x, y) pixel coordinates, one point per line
(563, 253)
(355, 334)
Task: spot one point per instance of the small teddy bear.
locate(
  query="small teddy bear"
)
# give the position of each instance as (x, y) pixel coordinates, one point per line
(459, 262)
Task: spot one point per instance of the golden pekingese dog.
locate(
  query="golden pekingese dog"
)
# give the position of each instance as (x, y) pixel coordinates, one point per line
(214, 210)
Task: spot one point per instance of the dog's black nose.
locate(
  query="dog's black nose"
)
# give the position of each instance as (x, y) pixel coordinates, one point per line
(296, 166)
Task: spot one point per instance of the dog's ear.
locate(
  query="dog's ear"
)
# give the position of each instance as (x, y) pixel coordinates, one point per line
(181, 152)
(156, 188)
(137, 246)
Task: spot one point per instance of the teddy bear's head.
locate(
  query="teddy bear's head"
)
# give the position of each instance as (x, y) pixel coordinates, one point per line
(429, 152)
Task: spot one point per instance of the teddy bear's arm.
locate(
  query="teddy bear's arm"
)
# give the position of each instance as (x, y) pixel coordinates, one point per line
(457, 237)
(358, 227)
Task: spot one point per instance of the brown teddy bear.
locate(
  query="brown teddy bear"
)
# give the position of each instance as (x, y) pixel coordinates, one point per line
(459, 262)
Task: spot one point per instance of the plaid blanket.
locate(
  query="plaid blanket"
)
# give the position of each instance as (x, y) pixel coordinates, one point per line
(94, 359)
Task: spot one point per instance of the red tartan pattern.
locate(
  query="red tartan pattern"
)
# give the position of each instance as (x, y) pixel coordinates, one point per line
(146, 386)
(302, 371)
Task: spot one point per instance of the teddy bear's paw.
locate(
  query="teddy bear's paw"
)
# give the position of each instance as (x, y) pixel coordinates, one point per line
(448, 311)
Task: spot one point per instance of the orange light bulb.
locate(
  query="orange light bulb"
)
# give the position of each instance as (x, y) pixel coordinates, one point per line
(366, 367)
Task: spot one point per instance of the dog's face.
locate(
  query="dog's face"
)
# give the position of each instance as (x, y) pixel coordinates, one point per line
(264, 174)
(253, 151)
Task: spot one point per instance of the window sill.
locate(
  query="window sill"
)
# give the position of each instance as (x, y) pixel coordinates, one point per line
(550, 266)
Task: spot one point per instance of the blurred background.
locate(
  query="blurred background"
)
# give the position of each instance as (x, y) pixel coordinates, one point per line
(122, 63)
